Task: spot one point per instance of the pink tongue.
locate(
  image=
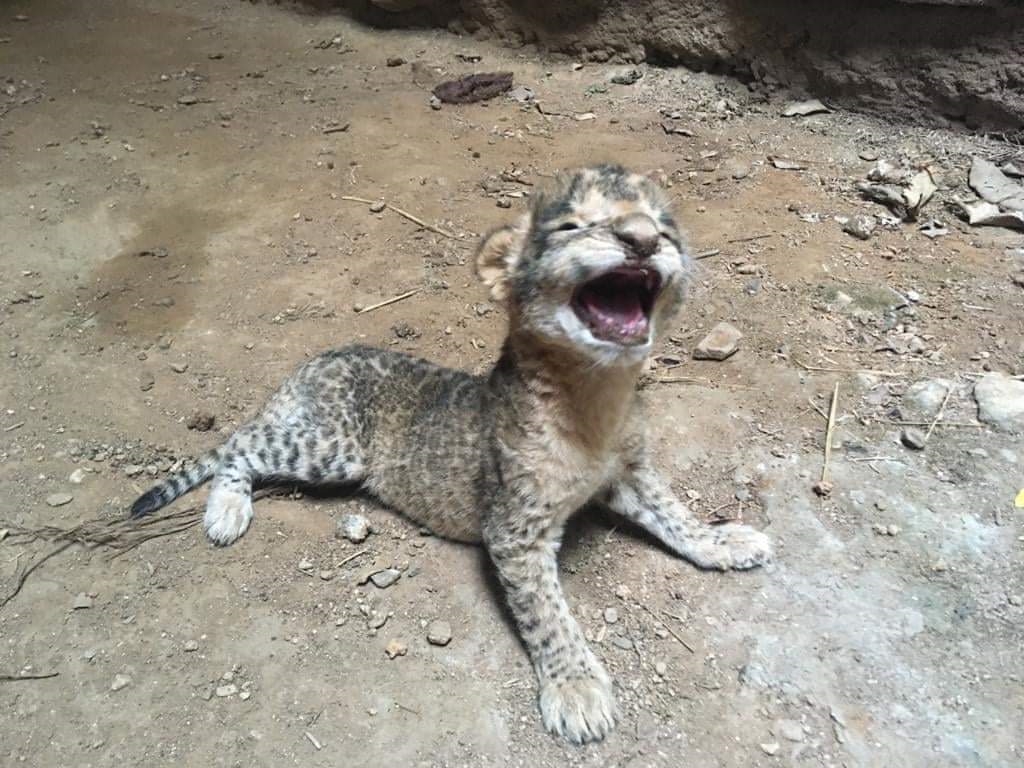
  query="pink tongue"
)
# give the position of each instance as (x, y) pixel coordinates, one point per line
(622, 312)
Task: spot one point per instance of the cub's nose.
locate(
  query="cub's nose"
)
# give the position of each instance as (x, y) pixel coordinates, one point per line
(639, 232)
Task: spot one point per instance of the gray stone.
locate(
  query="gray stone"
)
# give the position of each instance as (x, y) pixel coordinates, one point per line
(190, 646)
(355, 528)
(120, 681)
(925, 397)
(384, 579)
(223, 691)
(81, 602)
(59, 499)
(439, 632)
(790, 730)
(1001, 402)
(860, 226)
(721, 343)
(77, 477)
(611, 616)
(912, 438)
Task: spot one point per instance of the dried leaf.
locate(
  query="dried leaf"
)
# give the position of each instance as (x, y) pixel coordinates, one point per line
(992, 185)
(804, 108)
(983, 214)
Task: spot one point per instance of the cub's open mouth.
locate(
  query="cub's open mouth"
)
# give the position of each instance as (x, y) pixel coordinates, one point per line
(617, 305)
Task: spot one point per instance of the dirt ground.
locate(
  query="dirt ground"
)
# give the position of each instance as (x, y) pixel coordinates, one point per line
(174, 238)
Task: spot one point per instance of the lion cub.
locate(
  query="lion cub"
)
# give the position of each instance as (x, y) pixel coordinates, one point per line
(590, 278)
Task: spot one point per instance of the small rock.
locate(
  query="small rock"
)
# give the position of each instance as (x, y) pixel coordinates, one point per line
(522, 94)
(622, 642)
(223, 691)
(188, 99)
(660, 668)
(384, 579)
(305, 565)
(622, 592)
(790, 730)
(628, 77)
(611, 616)
(1015, 600)
(326, 575)
(395, 61)
(133, 470)
(771, 748)
(244, 695)
(721, 343)
(925, 397)
(376, 620)
(823, 488)
(77, 477)
(190, 646)
(81, 602)
(89, 654)
(861, 226)
(737, 169)
(912, 438)
(1000, 402)
(396, 648)
(378, 206)
(200, 420)
(439, 632)
(355, 528)
(146, 381)
(120, 681)
(179, 367)
(59, 499)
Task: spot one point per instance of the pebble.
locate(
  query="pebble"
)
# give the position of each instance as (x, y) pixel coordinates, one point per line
(378, 206)
(77, 477)
(721, 343)
(305, 565)
(622, 592)
(59, 499)
(861, 226)
(1000, 402)
(771, 748)
(326, 575)
(355, 528)
(611, 616)
(1015, 600)
(190, 646)
(384, 579)
(244, 695)
(912, 438)
(620, 641)
(439, 632)
(223, 691)
(81, 602)
(200, 420)
(790, 730)
(660, 668)
(396, 648)
(120, 681)
(926, 396)
(146, 381)
(395, 61)
(179, 367)
(628, 77)
(132, 470)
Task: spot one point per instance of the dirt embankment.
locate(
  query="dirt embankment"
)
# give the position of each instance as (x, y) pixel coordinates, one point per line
(952, 61)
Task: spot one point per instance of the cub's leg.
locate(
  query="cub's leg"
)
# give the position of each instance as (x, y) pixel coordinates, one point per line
(642, 496)
(275, 448)
(576, 699)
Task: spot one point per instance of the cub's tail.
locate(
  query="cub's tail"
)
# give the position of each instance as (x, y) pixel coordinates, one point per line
(178, 484)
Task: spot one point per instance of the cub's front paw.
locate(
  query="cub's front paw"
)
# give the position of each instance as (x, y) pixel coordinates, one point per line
(580, 709)
(732, 546)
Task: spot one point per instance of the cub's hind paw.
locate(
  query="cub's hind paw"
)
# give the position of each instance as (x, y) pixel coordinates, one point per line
(580, 709)
(735, 546)
(228, 515)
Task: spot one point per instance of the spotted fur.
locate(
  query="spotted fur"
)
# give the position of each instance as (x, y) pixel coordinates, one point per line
(506, 458)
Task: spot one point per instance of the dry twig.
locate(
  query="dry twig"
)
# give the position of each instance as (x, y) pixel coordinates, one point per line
(392, 300)
(403, 214)
(16, 678)
(942, 408)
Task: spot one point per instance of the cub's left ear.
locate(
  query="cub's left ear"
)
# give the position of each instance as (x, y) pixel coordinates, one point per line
(497, 257)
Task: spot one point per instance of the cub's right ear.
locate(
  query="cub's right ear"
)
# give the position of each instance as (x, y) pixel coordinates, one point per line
(497, 257)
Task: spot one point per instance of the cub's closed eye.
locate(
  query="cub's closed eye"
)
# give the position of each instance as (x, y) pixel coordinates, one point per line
(567, 226)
